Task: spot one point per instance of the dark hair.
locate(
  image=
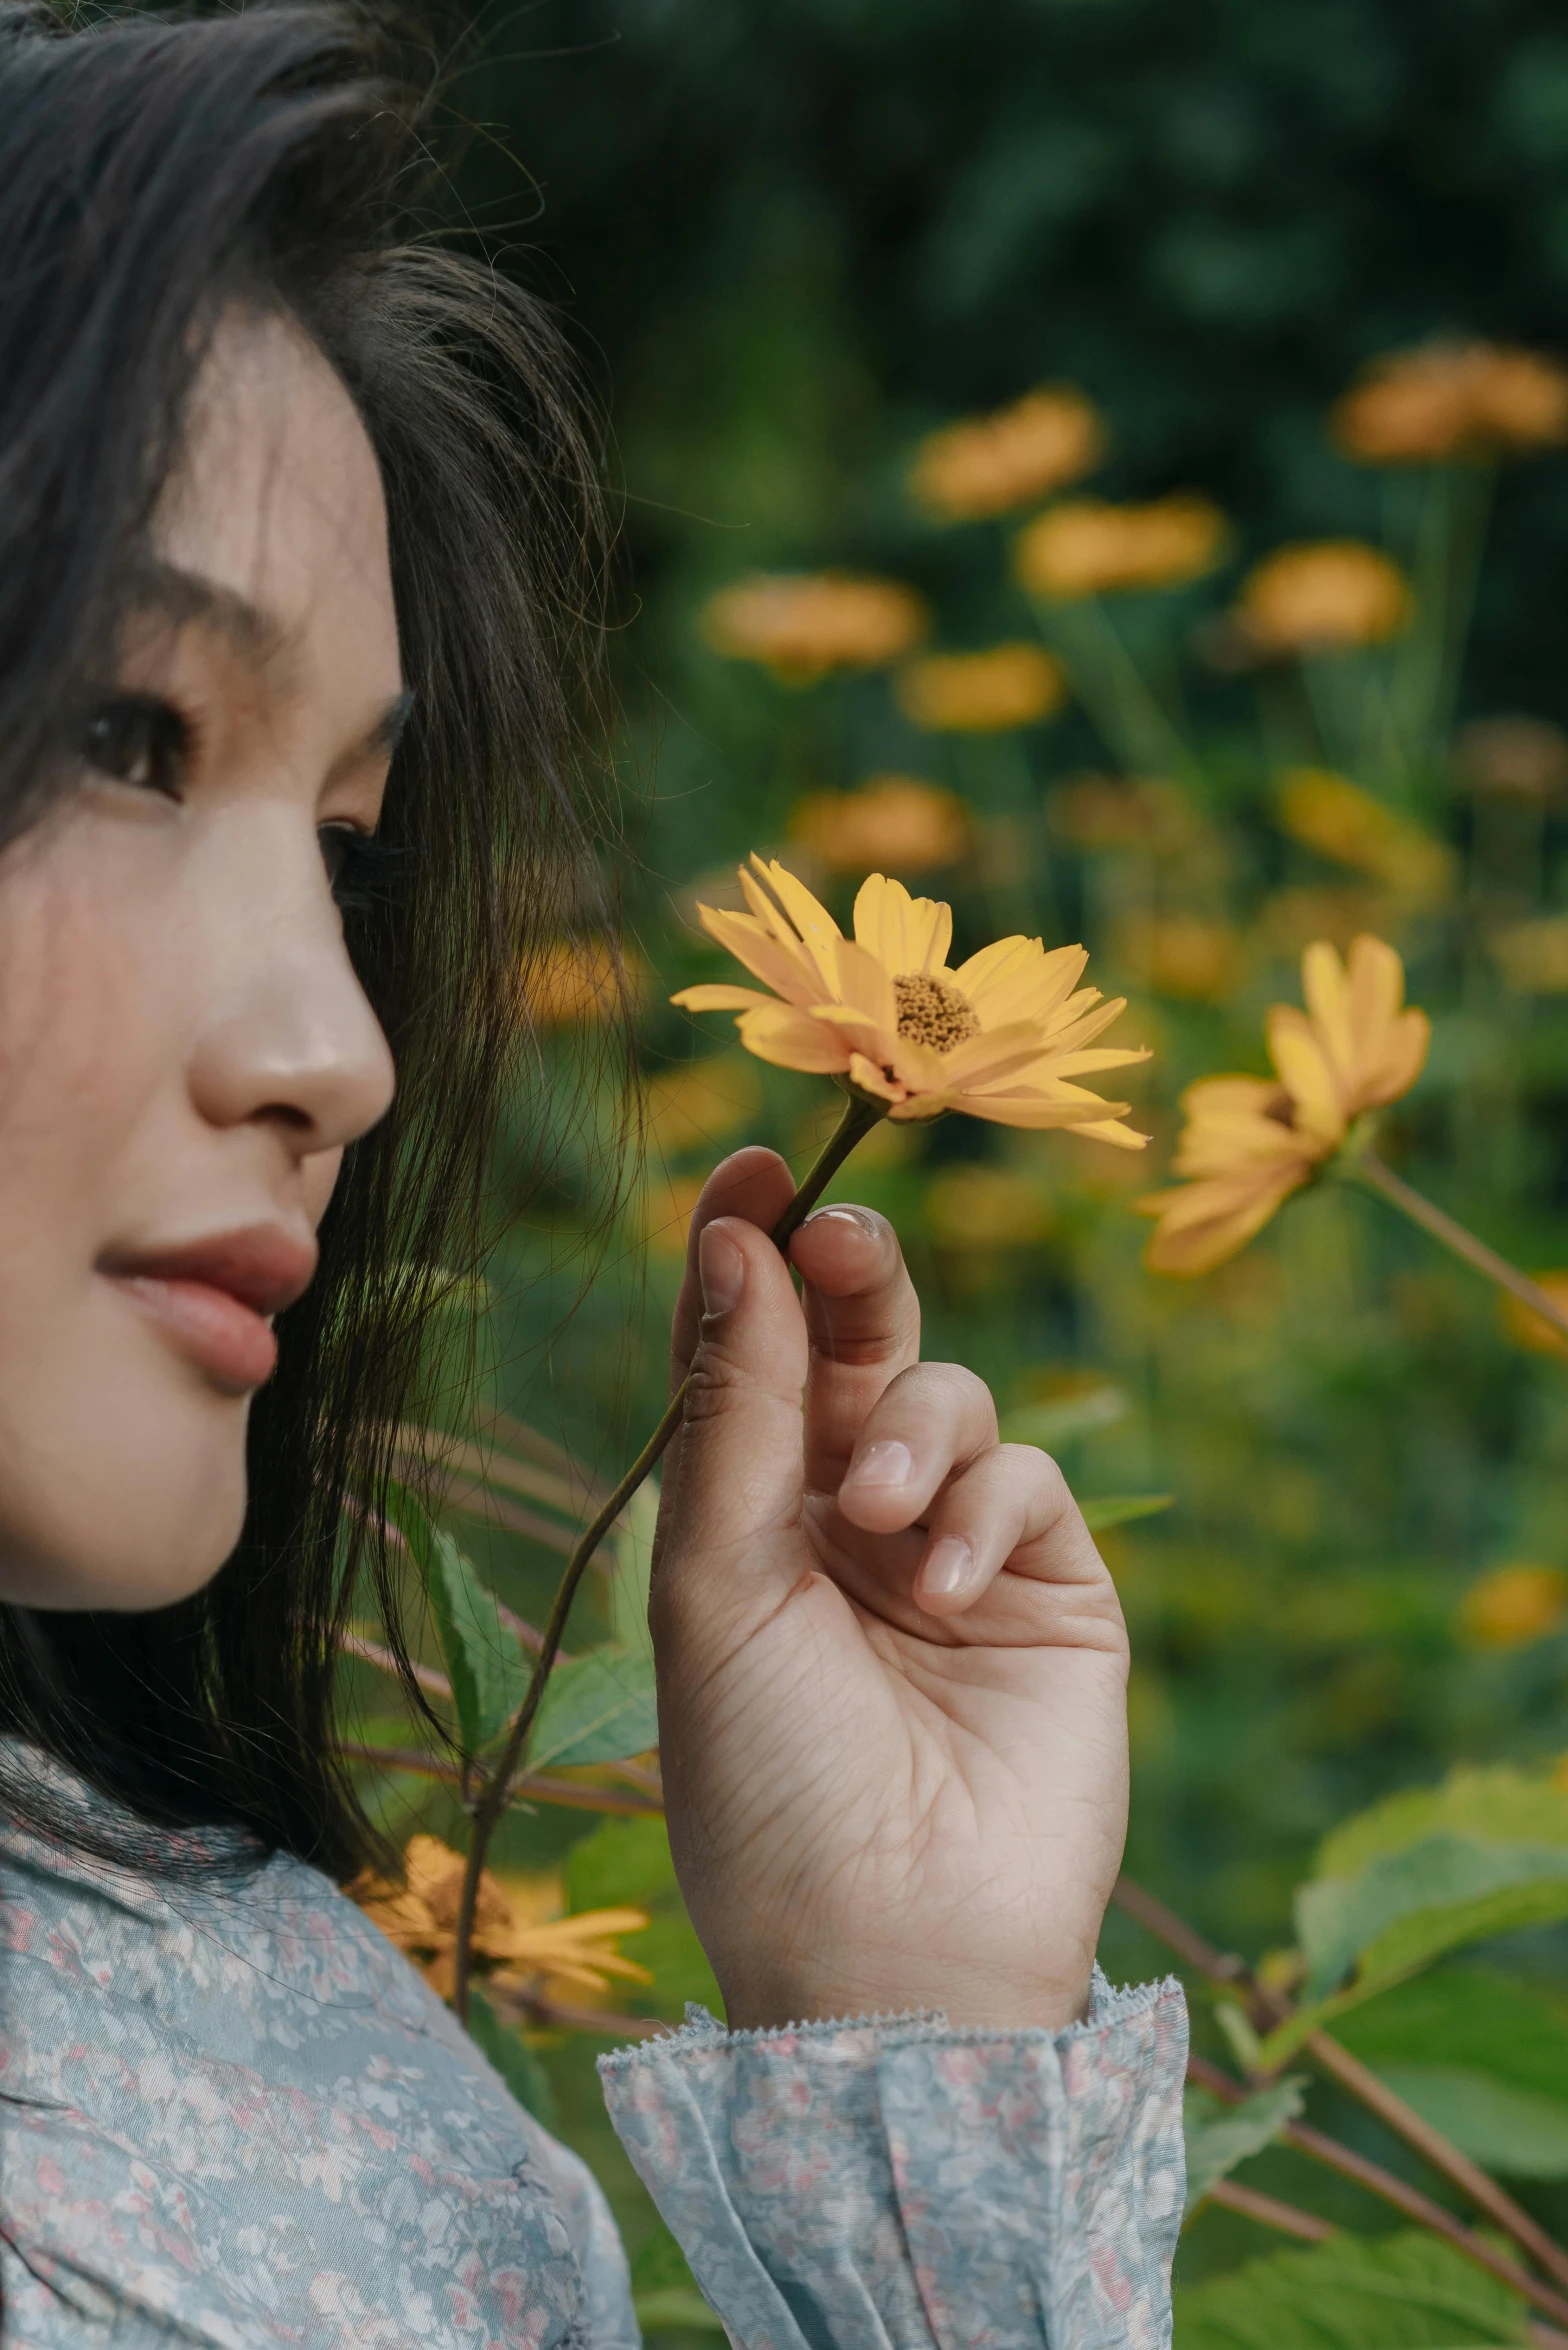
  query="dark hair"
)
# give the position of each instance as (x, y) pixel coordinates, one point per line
(153, 171)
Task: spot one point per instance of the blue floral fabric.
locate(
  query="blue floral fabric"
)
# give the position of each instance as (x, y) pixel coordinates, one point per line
(233, 2116)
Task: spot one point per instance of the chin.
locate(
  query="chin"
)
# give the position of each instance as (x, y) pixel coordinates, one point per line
(126, 1543)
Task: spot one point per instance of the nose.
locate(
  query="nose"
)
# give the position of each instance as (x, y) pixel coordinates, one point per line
(286, 1036)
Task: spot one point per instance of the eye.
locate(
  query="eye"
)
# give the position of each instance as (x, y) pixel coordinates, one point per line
(362, 871)
(137, 740)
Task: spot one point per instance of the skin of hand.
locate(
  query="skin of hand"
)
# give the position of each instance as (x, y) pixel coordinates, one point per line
(892, 1664)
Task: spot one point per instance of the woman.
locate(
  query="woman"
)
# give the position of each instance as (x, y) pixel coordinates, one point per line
(298, 530)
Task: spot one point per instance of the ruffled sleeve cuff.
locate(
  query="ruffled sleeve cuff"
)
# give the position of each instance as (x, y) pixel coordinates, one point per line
(899, 2184)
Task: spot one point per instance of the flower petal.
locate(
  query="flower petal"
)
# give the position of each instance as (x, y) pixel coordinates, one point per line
(1403, 1059)
(870, 1079)
(1204, 1223)
(1126, 1138)
(1306, 1075)
(717, 998)
(785, 969)
(817, 928)
(1326, 989)
(905, 934)
(793, 1040)
(866, 984)
(993, 1053)
(1017, 980)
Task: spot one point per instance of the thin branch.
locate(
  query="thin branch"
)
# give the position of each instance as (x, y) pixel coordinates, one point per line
(1269, 2212)
(567, 1794)
(1366, 1167)
(531, 2007)
(371, 1652)
(1268, 2009)
(1386, 2184)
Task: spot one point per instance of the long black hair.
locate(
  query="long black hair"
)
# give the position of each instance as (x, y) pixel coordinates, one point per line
(155, 170)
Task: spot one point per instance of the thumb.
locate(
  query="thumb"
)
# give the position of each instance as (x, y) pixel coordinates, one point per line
(740, 1473)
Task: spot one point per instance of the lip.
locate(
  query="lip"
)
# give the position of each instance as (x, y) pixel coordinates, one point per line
(213, 1298)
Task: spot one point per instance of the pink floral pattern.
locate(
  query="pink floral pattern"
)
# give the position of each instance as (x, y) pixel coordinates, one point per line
(232, 2116)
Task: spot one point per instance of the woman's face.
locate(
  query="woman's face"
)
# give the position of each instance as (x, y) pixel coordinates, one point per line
(184, 1047)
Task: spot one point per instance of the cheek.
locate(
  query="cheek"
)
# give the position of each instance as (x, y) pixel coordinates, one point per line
(110, 1484)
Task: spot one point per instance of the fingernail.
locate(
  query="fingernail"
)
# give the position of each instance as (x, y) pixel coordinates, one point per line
(946, 1569)
(865, 1218)
(722, 1270)
(886, 1463)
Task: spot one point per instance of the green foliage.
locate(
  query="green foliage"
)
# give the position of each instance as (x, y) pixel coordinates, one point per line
(1405, 2292)
(1102, 1511)
(596, 1708)
(1480, 2055)
(1221, 2136)
(514, 2060)
(483, 1660)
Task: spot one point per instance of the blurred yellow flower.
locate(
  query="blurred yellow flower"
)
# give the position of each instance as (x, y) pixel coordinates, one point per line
(1329, 813)
(1091, 548)
(893, 820)
(1122, 812)
(1181, 955)
(993, 464)
(1523, 758)
(1533, 1330)
(571, 982)
(1323, 597)
(982, 693)
(801, 625)
(1453, 400)
(986, 1208)
(998, 1038)
(510, 1940)
(1510, 1606)
(1533, 956)
(705, 1102)
(1249, 1142)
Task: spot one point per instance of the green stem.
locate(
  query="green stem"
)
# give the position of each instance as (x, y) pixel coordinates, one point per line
(860, 1115)
(1125, 710)
(1366, 1167)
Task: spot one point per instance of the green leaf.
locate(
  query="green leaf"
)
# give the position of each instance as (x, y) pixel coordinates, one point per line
(1221, 2136)
(674, 2309)
(1492, 1806)
(1407, 1907)
(1403, 2292)
(1119, 1509)
(1061, 1419)
(1476, 2017)
(1499, 2126)
(484, 1662)
(633, 1547)
(513, 2059)
(597, 1708)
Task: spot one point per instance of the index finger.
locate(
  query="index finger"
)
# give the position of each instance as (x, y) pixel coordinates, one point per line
(753, 1183)
(863, 1318)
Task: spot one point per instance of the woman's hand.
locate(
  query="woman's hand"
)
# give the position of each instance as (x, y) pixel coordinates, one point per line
(892, 1666)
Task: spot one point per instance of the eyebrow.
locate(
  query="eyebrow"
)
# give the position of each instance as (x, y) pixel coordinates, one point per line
(189, 598)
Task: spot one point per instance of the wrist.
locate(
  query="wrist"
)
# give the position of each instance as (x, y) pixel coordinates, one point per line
(970, 2000)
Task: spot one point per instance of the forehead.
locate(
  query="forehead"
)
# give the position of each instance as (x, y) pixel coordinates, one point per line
(277, 501)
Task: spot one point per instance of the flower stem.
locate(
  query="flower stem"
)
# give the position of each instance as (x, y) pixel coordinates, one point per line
(860, 1115)
(1366, 1167)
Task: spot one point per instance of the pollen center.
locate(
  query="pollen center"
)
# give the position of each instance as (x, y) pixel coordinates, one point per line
(931, 1012)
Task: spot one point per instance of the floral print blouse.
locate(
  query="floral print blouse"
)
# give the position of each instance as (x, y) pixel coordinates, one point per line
(232, 2115)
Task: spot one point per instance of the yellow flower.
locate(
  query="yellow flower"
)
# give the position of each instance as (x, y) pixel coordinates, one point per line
(892, 820)
(1117, 812)
(992, 464)
(1510, 1606)
(982, 693)
(1533, 1330)
(1089, 548)
(420, 1917)
(1447, 401)
(1249, 1142)
(570, 982)
(1181, 955)
(998, 1038)
(1322, 597)
(1329, 813)
(803, 624)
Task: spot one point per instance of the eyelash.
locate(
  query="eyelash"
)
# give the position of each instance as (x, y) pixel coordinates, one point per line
(149, 744)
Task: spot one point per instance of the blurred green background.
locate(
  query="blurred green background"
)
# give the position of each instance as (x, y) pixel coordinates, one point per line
(794, 236)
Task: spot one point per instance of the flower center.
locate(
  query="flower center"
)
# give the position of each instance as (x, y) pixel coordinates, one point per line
(931, 1012)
